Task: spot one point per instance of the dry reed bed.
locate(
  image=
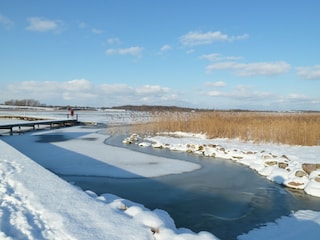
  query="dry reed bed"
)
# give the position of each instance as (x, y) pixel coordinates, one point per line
(286, 128)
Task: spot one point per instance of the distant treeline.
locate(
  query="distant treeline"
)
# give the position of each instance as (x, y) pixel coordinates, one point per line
(24, 102)
(154, 108)
(145, 108)
(36, 103)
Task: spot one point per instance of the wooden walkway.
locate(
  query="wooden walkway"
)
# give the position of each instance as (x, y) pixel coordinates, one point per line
(34, 124)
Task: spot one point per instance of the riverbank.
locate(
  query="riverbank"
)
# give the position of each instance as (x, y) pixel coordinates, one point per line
(36, 204)
(22, 188)
(296, 167)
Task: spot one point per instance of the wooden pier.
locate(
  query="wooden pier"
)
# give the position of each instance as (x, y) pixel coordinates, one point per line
(34, 124)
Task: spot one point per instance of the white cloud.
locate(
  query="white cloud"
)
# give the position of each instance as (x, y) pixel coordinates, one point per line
(297, 96)
(121, 94)
(37, 24)
(77, 89)
(199, 38)
(121, 90)
(113, 40)
(190, 51)
(5, 22)
(216, 84)
(165, 47)
(82, 25)
(85, 93)
(134, 51)
(246, 97)
(252, 69)
(31, 87)
(309, 73)
(215, 94)
(242, 92)
(212, 57)
(79, 96)
(151, 90)
(77, 85)
(97, 31)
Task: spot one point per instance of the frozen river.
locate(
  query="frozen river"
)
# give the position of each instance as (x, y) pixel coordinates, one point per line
(222, 197)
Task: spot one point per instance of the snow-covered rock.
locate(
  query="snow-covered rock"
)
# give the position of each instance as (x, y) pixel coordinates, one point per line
(283, 164)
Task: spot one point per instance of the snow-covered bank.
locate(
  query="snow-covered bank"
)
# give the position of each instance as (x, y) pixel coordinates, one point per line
(304, 224)
(36, 204)
(293, 166)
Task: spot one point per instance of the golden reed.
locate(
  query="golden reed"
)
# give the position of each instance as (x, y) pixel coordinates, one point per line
(286, 128)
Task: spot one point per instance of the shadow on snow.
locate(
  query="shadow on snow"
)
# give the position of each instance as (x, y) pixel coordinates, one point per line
(222, 197)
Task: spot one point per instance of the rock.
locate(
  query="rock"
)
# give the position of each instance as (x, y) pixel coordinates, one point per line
(310, 167)
(250, 152)
(294, 184)
(200, 148)
(283, 165)
(270, 163)
(300, 173)
(237, 157)
(212, 145)
(157, 145)
(191, 146)
(127, 141)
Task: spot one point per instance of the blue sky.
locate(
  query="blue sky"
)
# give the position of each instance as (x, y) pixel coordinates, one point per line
(258, 55)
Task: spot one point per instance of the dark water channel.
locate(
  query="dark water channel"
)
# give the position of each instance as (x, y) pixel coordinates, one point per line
(223, 197)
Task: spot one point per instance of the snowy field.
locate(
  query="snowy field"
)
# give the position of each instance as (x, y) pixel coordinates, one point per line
(36, 204)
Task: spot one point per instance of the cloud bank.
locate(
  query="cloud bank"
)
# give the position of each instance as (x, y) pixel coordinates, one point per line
(85, 93)
(133, 51)
(309, 73)
(37, 24)
(252, 69)
(82, 92)
(6, 22)
(200, 38)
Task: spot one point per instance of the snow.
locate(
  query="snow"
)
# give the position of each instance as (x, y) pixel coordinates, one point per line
(42, 206)
(303, 224)
(37, 204)
(282, 164)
